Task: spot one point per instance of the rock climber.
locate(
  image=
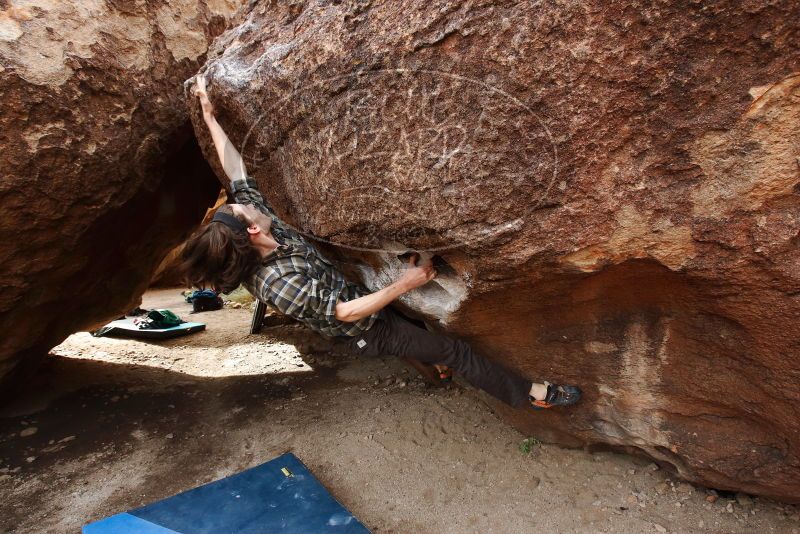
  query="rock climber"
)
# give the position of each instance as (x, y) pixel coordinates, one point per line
(246, 243)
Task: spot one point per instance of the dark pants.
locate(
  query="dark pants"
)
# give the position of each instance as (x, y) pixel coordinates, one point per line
(394, 335)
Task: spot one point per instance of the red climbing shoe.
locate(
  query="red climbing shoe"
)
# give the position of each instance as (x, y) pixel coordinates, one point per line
(427, 372)
(445, 374)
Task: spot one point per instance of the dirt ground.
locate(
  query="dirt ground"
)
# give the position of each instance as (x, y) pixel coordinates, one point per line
(111, 424)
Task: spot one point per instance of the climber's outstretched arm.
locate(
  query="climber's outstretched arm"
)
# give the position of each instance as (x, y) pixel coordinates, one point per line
(231, 160)
(416, 275)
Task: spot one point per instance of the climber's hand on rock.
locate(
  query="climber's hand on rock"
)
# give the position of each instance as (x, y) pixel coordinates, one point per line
(200, 92)
(418, 273)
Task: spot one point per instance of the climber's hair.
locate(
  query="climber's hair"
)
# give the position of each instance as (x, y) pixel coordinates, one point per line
(218, 256)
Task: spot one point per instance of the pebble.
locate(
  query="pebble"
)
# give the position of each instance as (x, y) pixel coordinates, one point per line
(662, 487)
(67, 439)
(115, 398)
(684, 487)
(631, 471)
(711, 498)
(31, 430)
(170, 435)
(652, 467)
(729, 508)
(30, 459)
(659, 528)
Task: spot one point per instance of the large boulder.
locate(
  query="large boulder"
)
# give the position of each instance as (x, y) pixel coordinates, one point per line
(101, 174)
(169, 273)
(611, 188)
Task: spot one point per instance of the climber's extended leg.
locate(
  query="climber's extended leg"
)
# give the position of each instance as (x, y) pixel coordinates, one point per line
(394, 335)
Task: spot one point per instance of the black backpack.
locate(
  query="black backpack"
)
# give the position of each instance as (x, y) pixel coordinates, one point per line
(204, 300)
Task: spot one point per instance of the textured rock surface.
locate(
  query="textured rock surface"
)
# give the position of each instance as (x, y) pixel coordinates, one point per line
(101, 175)
(168, 273)
(613, 187)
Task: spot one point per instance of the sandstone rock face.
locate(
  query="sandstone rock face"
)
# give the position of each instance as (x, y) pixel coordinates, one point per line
(612, 188)
(168, 273)
(101, 175)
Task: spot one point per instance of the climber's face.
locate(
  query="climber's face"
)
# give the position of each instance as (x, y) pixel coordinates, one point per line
(252, 216)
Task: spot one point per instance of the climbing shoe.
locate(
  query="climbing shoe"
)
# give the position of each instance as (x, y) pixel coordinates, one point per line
(445, 374)
(557, 395)
(426, 371)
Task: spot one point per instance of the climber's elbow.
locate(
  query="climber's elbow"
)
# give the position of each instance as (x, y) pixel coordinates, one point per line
(346, 313)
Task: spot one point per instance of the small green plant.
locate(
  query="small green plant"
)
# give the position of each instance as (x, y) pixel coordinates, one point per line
(527, 444)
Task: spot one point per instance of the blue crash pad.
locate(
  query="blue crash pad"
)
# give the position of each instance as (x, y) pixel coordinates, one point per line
(260, 500)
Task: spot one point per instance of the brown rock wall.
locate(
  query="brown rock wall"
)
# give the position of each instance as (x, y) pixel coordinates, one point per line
(101, 175)
(613, 187)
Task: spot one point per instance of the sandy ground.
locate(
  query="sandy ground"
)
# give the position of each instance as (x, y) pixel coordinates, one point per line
(109, 424)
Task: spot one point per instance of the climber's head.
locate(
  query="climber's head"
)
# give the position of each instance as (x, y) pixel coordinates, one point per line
(252, 216)
(224, 252)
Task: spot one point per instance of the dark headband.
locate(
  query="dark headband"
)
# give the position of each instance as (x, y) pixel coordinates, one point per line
(230, 221)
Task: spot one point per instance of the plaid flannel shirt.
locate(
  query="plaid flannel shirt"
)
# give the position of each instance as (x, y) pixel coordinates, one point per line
(296, 278)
